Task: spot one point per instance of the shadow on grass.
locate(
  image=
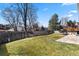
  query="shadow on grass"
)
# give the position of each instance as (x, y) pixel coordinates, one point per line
(3, 50)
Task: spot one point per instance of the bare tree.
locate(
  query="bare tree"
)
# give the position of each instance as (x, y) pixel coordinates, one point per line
(12, 17)
(28, 13)
(32, 16)
(22, 8)
(21, 13)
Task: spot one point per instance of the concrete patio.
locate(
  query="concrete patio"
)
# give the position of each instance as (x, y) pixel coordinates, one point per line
(71, 38)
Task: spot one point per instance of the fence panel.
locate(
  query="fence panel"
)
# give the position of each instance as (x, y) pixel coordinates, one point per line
(6, 37)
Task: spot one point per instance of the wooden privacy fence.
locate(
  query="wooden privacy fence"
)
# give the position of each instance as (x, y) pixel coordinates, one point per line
(6, 37)
(11, 36)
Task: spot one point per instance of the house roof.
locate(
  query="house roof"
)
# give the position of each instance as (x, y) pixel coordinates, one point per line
(2, 30)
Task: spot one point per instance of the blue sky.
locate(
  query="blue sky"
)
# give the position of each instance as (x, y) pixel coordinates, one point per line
(46, 10)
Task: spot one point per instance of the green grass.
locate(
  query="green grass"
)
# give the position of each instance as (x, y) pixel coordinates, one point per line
(39, 46)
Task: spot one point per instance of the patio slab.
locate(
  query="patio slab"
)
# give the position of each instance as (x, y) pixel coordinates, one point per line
(72, 39)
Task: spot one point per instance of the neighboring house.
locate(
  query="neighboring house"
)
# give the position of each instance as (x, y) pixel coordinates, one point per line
(70, 28)
(4, 27)
(10, 29)
(1, 30)
(20, 28)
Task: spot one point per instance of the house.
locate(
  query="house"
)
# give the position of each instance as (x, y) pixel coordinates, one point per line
(4, 27)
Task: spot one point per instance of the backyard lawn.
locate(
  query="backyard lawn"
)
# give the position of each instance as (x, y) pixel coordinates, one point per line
(41, 46)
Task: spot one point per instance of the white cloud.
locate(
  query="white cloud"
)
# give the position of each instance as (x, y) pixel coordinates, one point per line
(73, 11)
(45, 9)
(63, 4)
(70, 15)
